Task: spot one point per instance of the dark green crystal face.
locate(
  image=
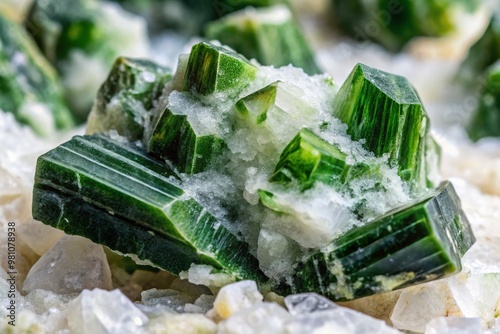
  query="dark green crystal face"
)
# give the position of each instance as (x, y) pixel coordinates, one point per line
(213, 69)
(129, 92)
(309, 159)
(173, 132)
(384, 110)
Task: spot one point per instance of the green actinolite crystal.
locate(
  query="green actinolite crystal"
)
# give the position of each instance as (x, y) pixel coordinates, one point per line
(182, 143)
(126, 96)
(119, 197)
(270, 35)
(215, 69)
(418, 242)
(385, 111)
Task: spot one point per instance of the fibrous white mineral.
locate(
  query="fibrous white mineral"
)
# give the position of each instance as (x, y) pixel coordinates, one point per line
(104, 312)
(71, 265)
(235, 297)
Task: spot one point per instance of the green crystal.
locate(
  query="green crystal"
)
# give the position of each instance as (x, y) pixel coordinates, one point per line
(309, 159)
(385, 111)
(484, 53)
(269, 35)
(486, 120)
(126, 96)
(27, 80)
(117, 196)
(394, 23)
(214, 69)
(176, 139)
(416, 243)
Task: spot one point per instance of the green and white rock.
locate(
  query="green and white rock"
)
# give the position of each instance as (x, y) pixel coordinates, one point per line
(485, 121)
(484, 53)
(30, 88)
(82, 39)
(394, 23)
(385, 111)
(119, 197)
(308, 159)
(131, 90)
(275, 112)
(418, 242)
(269, 35)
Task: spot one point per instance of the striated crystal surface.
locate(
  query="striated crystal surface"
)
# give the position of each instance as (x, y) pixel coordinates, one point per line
(386, 111)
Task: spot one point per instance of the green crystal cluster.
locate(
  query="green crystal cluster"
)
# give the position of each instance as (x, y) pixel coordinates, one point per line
(29, 85)
(222, 116)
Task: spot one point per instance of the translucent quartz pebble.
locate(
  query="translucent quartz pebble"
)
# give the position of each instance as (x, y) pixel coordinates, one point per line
(42, 301)
(71, 265)
(454, 326)
(339, 320)
(235, 297)
(39, 237)
(171, 298)
(477, 294)
(308, 303)
(205, 275)
(182, 324)
(155, 311)
(418, 305)
(260, 318)
(104, 312)
(204, 303)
